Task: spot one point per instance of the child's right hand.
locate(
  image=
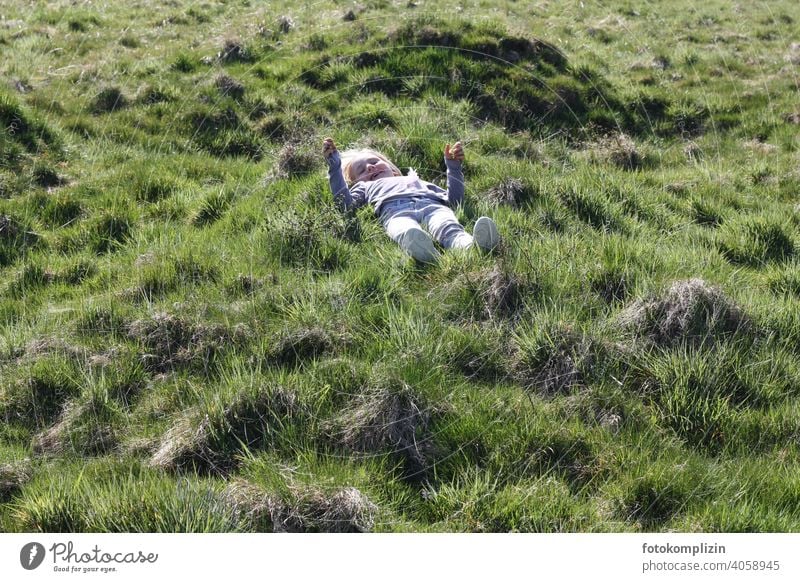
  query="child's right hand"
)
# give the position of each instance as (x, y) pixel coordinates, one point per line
(328, 147)
(454, 153)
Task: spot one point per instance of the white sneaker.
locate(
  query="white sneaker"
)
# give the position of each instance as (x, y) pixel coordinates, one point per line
(419, 245)
(485, 233)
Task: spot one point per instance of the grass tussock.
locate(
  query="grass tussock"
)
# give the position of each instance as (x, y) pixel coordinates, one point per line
(619, 150)
(720, 398)
(37, 398)
(46, 175)
(103, 322)
(229, 87)
(653, 500)
(294, 347)
(391, 420)
(756, 241)
(295, 161)
(511, 192)
(556, 360)
(310, 239)
(234, 51)
(491, 294)
(302, 509)
(169, 342)
(23, 129)
(504, 293)
(208, 440)
(222, 132)
(785, 281)
(110, 230)
(108, 100)
(152, 94)
(690, 310)
(594, 209)
(478, 352)
(85, 428)
(12, 477)
(15, 238)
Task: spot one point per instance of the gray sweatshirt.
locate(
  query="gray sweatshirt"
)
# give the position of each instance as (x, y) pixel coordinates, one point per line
(377, 192)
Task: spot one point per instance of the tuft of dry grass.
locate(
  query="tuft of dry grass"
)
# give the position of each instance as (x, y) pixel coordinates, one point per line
(295, 161)
(252, 504)
(109, 99)
(689, 310)
(229, 87)
(81, 429)
(503, 293)
(792, 56)
(9, 228)
(12, 477)
(693, 152)
(54, 345)
(510, 192)
(304, 509)
(170, 342)
(558, 365)
(618, 149)
(233, 51)
(183, 443)
(285, 23)
(303, 344)
(245, 284)
(387, 419)
(209, 441)
(489, 294)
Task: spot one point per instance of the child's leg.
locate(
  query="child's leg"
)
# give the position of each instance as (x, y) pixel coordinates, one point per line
(398, 226)
(445, 228)
(407, 232)
(485, 233)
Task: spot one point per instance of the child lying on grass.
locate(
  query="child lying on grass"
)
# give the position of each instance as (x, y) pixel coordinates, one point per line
(405, 203)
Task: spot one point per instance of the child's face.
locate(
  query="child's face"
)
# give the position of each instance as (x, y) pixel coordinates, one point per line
(369, 168)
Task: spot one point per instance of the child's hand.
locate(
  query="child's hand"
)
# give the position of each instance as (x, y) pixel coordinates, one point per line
(456, 153)
(328, 147)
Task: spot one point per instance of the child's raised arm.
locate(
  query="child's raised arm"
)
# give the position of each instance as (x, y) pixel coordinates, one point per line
(344, 197)
(453, 157)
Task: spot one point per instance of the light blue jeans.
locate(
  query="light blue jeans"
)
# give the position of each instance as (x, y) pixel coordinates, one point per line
(400, 215)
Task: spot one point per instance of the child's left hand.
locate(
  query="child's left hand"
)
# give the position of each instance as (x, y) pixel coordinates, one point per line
(456, 153)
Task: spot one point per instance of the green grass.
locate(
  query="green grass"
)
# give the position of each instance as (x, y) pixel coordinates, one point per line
(194, 339)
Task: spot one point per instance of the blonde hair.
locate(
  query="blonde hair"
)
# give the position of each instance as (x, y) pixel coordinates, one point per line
(350, 156)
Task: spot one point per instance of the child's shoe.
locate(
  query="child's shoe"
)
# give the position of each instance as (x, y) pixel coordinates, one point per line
(419, 245)
(485, 234)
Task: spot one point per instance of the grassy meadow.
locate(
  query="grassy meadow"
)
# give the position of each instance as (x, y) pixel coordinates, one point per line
(194, 339)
